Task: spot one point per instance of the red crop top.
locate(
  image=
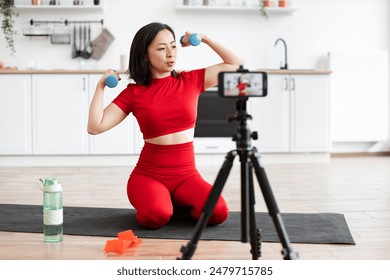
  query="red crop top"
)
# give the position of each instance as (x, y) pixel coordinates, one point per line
(166, 106)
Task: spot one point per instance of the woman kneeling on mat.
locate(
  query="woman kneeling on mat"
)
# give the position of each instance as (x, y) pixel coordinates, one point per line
(164, 103)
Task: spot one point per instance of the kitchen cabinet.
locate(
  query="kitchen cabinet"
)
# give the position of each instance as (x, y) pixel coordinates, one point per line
(47, 113)
(309, 113)
(60, 110)
(15, 115)
(120, 139)
(294, 116)
(270, 116)
(138, 138)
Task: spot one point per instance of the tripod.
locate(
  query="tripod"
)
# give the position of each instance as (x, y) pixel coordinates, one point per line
(249, 158)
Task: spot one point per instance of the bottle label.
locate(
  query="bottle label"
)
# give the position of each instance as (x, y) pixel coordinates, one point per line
(53, 217)
(52, 188)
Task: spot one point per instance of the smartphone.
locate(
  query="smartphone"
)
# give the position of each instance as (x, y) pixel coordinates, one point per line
(242, 84)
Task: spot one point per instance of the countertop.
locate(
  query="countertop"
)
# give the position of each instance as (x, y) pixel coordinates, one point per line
(295, 71)
(61, 71)
(55, 71)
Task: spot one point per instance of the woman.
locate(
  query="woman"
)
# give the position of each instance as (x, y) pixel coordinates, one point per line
(164, 103)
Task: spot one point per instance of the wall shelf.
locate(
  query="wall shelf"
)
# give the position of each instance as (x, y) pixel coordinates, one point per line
(279, 11)
(216, 8)
(58, 8)
(247, 8)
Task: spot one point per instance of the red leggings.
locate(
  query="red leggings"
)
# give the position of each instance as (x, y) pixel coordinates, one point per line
(166, 176)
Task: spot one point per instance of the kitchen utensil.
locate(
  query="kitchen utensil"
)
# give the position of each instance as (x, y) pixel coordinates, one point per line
(74, 47)
(81, 41)
(84, 53)
(89, 45)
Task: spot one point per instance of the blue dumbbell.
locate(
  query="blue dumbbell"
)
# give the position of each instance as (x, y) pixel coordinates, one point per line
(194, 39)
(111, 81)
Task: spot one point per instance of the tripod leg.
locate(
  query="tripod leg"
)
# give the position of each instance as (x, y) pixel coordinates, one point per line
(209, 206)
(288, 252)
(245, 196)
(255, 235)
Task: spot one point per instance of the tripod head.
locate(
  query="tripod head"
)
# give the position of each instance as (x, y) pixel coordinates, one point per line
(243, 134)
(241, 112)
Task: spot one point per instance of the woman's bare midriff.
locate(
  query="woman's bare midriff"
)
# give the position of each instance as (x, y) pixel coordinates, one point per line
(180, 137)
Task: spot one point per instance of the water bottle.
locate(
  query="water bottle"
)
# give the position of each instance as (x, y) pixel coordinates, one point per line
(52, 211)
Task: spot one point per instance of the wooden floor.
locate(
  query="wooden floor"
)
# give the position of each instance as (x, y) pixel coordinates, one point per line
(358, 187)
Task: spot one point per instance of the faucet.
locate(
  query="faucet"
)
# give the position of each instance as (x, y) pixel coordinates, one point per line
(285, 53)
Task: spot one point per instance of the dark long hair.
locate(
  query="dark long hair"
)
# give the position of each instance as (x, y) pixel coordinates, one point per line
(139, 69)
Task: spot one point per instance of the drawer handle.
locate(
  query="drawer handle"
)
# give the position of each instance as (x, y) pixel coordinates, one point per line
(285, 84)
(292, 84)
(212, 147)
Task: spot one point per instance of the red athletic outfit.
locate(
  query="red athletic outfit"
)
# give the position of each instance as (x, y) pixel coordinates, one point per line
(166, 175)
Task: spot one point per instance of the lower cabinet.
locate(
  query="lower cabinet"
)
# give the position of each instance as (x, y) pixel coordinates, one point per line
(60, 110)
(294, 116)
(15, 115)
(47, 114)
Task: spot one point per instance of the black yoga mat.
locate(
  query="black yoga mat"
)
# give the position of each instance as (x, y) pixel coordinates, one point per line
(322, 228)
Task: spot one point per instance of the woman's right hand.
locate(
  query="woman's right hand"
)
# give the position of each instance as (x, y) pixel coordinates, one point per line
(102, 119)
(102, 81)
(185, 40)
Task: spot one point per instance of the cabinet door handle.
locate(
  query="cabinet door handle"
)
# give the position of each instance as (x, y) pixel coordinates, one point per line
(285, 83)
(292, 84)
(211, 147)
(84, 85)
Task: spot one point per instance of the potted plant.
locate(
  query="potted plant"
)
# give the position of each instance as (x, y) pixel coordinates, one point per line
(7, 11)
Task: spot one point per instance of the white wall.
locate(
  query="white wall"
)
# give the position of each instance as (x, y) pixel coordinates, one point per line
(319, 26)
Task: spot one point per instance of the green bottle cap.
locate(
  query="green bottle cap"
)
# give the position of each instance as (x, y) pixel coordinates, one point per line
(50, 181)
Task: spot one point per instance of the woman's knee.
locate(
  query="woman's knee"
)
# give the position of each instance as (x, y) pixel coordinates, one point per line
(220, 213)
(154, 217)
(151, 199)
